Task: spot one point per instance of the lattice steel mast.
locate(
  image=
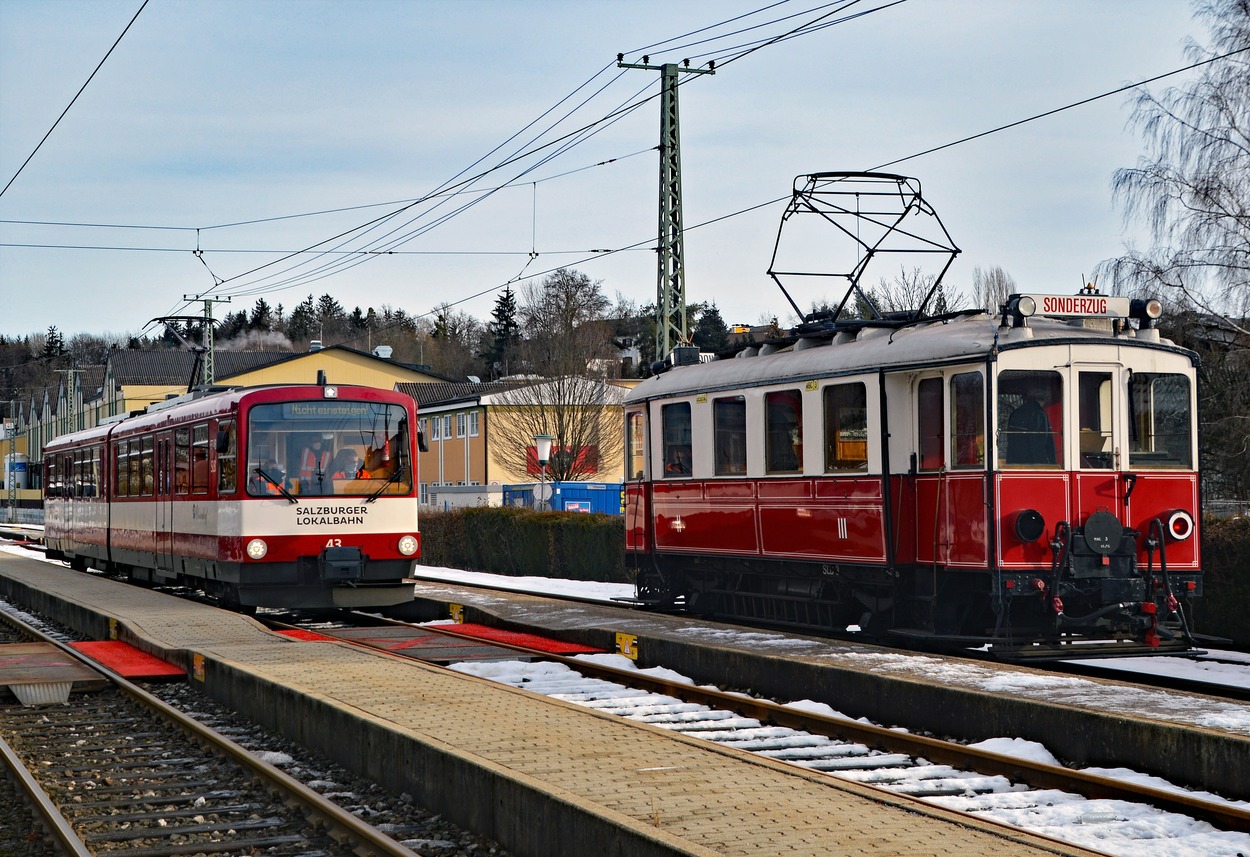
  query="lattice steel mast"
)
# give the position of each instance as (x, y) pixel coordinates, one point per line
(672, 328)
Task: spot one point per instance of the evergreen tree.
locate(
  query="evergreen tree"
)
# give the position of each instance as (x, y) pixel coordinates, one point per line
(303, 324)
(710, 331)
(53, 343)
(261, 317)
(503, 333)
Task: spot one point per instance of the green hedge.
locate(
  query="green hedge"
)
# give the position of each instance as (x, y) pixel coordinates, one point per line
(1222, 610)
(521, 542)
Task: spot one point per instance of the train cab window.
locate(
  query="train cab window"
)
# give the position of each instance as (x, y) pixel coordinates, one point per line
(675, 426)
(199, 459)
(636, 465)
(729, 438)
(930, 414)
(1159, 421)
(182, 461)
(783, 443)
(968, 420)
(329, 448)
(227, 460)
(1030, 418)
(1096, 420)
(846, 427)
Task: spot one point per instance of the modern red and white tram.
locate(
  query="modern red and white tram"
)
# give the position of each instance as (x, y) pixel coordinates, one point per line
(286, 496)
(1018, 478)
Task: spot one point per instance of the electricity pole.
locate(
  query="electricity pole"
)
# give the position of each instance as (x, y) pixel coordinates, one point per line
(210, 373)
(671, 325)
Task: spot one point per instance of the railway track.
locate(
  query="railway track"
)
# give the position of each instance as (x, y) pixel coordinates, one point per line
(1234, 686)
(118, 772)
(1102, 811)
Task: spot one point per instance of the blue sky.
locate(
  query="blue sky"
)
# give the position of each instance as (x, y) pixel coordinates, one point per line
(227, 112)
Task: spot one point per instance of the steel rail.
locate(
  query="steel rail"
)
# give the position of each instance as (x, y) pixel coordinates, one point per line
(53, 820)
(338, 820)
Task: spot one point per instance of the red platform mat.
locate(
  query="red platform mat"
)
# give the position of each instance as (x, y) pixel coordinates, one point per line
(127, 661)
(301, 634)
(516, 638)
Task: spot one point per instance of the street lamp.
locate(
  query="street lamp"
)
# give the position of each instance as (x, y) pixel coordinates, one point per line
(542, 448)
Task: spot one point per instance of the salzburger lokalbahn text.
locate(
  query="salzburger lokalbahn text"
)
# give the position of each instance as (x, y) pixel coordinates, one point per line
(286, 496)
(1023, 478)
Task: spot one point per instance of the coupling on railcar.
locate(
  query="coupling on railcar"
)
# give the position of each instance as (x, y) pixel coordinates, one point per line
(1023, 476)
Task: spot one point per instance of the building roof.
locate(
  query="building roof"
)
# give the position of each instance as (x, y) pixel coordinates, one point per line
(168, 366)
(435, 394)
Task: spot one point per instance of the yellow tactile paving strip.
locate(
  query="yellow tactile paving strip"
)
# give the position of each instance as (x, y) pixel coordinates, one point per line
(712, 798)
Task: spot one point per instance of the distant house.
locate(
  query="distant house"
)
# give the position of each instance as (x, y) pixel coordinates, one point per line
(465, 424)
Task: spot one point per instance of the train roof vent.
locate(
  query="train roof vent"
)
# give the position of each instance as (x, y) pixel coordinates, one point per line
(807, 342)
(748, 352)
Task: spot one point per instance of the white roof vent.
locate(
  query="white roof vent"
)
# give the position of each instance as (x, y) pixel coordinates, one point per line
(383, 352)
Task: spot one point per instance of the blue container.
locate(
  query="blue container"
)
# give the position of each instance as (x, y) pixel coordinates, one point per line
(602, 497)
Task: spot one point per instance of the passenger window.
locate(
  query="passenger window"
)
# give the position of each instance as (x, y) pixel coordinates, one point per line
(227, 462)
(675, 424)
(846, 427)
(930, 415)
(784, 440)
(199, 459)
(1030, 419)
(122, 472)
(968, 420)
(729, 422)
(182, 461)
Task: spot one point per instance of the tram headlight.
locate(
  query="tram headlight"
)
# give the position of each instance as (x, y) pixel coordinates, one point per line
(256, 549)
(1180, 525)
(1026, 306)
(408, 545)
(1146, 311)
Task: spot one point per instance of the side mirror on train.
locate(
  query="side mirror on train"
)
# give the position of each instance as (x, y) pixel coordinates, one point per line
(421, 444)
(223, 441)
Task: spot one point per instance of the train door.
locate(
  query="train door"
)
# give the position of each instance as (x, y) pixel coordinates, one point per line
(930, 469)
(163, 497)
(1100, 442)
(636, 497)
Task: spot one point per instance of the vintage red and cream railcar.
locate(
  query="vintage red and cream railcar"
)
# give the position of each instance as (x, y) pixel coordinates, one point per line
(1013, 478)
(285, 496)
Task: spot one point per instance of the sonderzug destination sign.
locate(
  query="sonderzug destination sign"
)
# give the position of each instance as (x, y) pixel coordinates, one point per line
(319, 516)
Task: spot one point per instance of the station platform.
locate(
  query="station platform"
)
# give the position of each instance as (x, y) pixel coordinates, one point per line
(542, 777)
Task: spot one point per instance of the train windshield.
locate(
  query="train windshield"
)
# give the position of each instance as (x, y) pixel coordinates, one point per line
(328, 448)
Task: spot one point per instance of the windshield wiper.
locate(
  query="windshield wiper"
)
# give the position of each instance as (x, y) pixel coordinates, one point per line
(277, 483)
(394, 477)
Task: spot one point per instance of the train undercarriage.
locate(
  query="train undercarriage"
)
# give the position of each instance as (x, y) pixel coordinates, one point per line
(1094, 592)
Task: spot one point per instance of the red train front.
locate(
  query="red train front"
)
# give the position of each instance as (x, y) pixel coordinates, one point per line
(1020, 478)
(293, 496)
